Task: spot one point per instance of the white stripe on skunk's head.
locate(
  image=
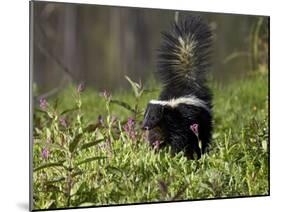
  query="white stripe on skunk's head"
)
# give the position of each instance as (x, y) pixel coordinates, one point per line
(188, 100)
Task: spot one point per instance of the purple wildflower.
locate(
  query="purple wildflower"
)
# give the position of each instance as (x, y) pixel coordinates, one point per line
(194, 129)
(131, 122)
(63, 121)
(45, 153)
(130, 128)
(102, 146)
(156, 145)
(43, 103)
(106, 95)
(100, 120)
(81, 87)
(126, 128)
(133, 134)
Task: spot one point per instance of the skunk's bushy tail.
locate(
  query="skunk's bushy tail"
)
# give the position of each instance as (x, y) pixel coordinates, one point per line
(183, 56)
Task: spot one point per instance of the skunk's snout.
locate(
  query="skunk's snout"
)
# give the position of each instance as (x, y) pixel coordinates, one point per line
(143, 127)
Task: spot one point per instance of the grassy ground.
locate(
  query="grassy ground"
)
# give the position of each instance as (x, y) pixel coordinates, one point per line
(80, 161)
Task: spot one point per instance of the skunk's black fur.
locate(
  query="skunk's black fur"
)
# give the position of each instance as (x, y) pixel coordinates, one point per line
(183, 60)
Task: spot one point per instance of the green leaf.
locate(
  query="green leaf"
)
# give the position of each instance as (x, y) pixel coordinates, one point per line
(55, 180)
(51, 146)
(56, 103)
(48, 204)
(47, 165)
(69, 110)
(48, 133)
(180, 193)
(140, 93)
(40, 111)
(91, 127)
(150, 90)
(90, 160)
(37, 132)
(74, 143)
(77, 173)
(52, 188)
(59, 179)
(90, 144)
(114, 169)
(200, 144)
(86, 204)
(264, 145)
(123, 104)
(134, 85)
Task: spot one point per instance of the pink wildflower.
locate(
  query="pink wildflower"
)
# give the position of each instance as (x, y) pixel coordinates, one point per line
(194, 129)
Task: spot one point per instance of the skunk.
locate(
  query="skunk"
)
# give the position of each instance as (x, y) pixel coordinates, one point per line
(182, 116)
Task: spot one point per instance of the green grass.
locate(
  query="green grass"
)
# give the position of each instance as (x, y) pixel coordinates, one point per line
(89, 165)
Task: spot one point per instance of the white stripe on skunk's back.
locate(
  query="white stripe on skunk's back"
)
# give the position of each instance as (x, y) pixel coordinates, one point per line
(188, 100)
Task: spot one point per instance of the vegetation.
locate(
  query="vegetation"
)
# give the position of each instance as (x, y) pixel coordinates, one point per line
(89, 150)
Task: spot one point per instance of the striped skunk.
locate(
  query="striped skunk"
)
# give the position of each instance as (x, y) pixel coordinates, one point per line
(182, 116)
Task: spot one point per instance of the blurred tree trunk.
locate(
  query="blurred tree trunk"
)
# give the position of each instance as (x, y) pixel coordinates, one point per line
(70, 40)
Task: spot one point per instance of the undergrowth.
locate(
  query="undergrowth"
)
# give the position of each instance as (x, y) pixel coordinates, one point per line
(89, 150)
